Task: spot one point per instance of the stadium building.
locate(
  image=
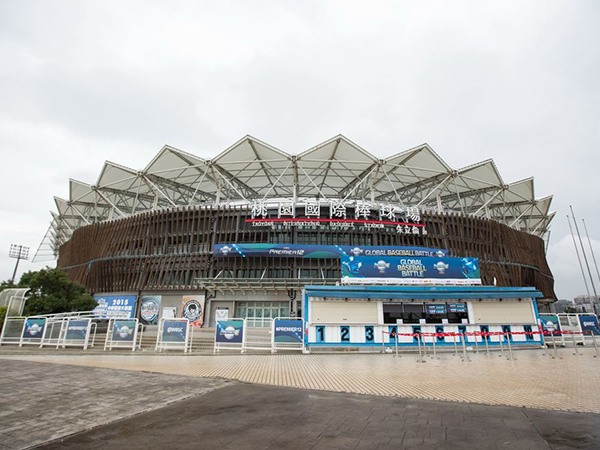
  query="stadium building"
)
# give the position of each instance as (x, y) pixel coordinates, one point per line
(258, 233)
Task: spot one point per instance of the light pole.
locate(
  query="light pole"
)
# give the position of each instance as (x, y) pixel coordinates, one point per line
(19, 252)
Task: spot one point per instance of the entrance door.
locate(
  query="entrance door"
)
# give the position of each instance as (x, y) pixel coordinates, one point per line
(259, 314)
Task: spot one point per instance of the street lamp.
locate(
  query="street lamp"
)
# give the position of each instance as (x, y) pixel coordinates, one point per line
(19, 252)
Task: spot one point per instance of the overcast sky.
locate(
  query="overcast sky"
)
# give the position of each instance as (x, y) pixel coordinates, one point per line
(82, 82)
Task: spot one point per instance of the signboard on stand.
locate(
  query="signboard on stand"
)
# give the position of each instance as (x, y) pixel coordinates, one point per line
(33, 331)
(288, 334)
(230, 334)
(77, 333)
(122, 333)
(550, 323)
(77, 330)
(589, 324)
(174, 334)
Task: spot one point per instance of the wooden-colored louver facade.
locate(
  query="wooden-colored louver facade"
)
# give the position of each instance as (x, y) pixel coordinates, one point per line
(171, 249)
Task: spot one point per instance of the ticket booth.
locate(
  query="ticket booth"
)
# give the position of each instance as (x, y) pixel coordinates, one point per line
(364, 316)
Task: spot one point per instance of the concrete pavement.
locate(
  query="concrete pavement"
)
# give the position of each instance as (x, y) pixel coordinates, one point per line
(533, 380)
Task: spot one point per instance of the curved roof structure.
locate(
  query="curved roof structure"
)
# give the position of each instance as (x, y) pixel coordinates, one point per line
(337, 168)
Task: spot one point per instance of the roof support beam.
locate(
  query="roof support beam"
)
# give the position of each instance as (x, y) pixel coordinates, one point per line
(331, 159)
(110, 203)
(155, 188)
(522, 214)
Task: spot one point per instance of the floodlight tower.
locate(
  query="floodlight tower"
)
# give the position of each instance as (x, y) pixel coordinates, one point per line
(19, 252)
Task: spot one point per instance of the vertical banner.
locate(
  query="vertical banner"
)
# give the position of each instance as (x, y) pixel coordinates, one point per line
(288, 331)
(230, 331)
(149, 309)
(33, 328)
(589, 323)
(193, 309)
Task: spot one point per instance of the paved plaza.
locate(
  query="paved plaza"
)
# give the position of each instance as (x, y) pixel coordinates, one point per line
(533, 380)
(41, 402)
(71, 407)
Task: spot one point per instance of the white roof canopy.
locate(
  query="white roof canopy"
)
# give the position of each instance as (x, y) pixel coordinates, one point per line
(336, 169)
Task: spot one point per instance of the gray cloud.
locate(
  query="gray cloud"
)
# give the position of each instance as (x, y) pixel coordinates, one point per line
(82, 82)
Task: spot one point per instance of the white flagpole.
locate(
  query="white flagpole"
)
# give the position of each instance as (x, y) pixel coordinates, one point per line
(583, 251)
(591, 249)
(578, 258)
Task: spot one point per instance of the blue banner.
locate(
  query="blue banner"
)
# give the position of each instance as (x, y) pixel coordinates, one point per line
(457, 308)
(77, 330)
(410, 270)
(288, 331)
(123, 330)
(550, 323)
(34, 328)
(320, 251)
(110, 306)
(589, 323)
(174, 331)
(435, 309)
(229, 331)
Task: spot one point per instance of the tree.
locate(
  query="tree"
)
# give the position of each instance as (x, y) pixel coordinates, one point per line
(3, 310)
(7, 284)
(52, 292)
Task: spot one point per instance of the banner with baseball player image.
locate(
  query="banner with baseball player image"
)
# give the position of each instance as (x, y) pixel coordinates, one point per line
(230, 334)
(193, 309)
(149, 309)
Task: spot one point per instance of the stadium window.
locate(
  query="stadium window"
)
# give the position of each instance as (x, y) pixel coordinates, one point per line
(435, 318)
(392, 312)
(413, 313)
(457, 317)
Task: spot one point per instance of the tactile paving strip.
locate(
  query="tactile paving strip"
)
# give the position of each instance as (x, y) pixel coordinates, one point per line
(533, 380)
